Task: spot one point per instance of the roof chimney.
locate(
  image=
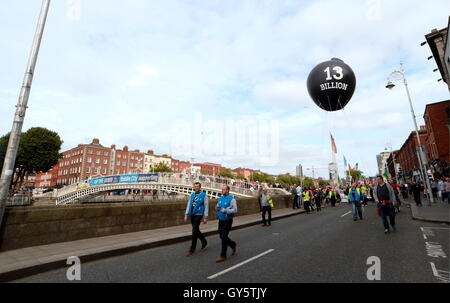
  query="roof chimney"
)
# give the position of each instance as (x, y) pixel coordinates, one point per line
(125, 148)
(95, 141)
(113, 146)
(150, 152)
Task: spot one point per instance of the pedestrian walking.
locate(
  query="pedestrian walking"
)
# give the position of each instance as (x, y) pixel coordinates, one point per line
(226, 209)
(197, 209)
(385, 198)
(332, 197)
(266, 206)
(354, 197)
(440, 186)
(416, 188)
(318, 199)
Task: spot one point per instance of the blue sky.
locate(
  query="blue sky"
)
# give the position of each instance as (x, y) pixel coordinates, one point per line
(141, 73)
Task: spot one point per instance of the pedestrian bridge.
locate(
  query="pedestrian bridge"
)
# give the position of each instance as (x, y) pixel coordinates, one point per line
(181, 184)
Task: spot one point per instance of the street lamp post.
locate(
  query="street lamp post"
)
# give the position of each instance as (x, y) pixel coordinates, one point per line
(400, 75)
(21, 107)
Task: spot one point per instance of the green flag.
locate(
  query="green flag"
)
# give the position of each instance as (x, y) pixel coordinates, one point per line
(385, 175)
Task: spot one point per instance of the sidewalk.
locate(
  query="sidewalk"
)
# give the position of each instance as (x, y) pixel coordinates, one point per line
(438, 212)
(15, 264)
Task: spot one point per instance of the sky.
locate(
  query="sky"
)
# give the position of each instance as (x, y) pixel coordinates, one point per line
(222, 81)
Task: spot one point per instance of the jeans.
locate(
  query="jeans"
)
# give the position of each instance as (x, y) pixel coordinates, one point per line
(356, 209)
(387, 211)
(196, 234)
(267, 209)
(295, 202)
(224, 230)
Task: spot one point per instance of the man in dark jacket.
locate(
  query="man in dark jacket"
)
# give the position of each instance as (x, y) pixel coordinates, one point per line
(416, 189)
(385, 199)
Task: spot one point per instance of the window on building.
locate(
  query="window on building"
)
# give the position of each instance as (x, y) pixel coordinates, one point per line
(105, 161)
(119, 155)
(123, 171)
(106, 154)
(124, 163)
(89, 160)
(97, 161)
(104, 171)
(89, 151)
(117, 171)
(88, 169)
(132, 157)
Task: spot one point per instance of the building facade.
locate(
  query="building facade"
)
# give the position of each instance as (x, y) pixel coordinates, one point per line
(437, 124)
(408, 157)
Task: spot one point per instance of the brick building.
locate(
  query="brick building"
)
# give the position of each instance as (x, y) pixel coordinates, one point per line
(245, 172)
(95, 160)
(437, 124)
(210, 169)
(407, 156)
(47, 179)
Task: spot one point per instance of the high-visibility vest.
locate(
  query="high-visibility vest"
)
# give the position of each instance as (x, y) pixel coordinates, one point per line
(306, 196)
(334, 194)
(364, 190)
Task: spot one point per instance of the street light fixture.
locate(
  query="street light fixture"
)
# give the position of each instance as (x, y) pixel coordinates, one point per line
(400, 75)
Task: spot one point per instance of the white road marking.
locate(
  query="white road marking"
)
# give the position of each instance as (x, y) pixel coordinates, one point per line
(423, 234)
(346, 213)
(240, 264)
(435, 228)
(433, 267)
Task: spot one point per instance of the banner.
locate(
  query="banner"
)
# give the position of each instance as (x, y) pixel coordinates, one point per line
(134, 178)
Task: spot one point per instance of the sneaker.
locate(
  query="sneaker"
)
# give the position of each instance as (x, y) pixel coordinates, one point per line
(220, 259)
(386, 231)
(190, 254)
(355, 219)
(263, 225)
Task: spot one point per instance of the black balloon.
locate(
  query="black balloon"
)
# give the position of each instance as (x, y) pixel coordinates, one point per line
(331, 84)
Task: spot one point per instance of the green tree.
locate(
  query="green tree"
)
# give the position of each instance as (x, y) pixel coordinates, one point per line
(324, 183)
(240, 177)
(308, 182)
(38, 152)
(226, 173)
(356, 174)
(162, 168)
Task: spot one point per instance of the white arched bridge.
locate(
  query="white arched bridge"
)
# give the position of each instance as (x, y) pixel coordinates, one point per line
(181, 184)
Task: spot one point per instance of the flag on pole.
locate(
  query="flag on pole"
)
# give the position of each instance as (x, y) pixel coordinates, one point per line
(385, 175)
(333, 145)
(345, 162)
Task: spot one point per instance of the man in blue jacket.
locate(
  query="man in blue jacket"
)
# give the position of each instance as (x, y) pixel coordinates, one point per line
(197, 209)
(226, 209)
(354, 197)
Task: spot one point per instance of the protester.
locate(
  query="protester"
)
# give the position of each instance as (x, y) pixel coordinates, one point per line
(355, 199)
(266, 207)
(385, 198)
(226, 209)
(307, 200)
(197, 209)
(416, 189)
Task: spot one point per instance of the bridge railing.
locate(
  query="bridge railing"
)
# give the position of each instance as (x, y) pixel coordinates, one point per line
(236, 186)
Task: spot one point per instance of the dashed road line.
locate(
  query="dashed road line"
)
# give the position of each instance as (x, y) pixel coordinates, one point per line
(240, 264)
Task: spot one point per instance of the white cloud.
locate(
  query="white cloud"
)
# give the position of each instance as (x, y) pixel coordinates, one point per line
(227, 59)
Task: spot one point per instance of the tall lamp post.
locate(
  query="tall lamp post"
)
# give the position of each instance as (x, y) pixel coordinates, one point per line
(21, 107)
(400, 75)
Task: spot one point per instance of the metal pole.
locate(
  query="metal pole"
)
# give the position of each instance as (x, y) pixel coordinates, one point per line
(419, 142)
(21, 107)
